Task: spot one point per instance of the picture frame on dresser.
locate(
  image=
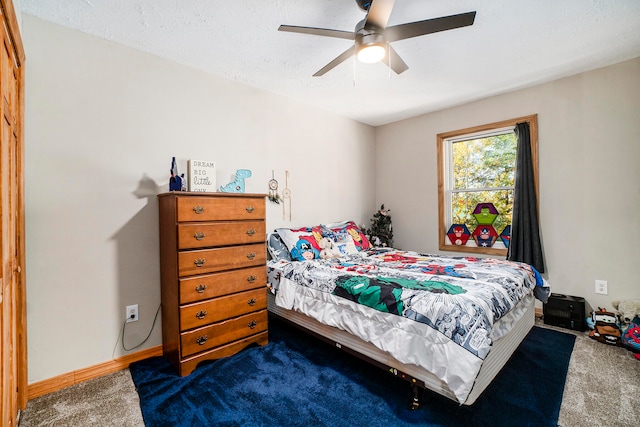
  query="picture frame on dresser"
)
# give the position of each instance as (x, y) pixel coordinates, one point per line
(213, 275)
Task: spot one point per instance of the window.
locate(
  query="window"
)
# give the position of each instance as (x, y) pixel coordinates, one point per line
(476, 176)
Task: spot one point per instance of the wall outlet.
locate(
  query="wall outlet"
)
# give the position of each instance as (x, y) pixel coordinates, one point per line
(132, 313)
(601, 287)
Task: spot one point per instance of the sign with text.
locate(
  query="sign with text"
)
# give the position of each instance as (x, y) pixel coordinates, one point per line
(202, 176)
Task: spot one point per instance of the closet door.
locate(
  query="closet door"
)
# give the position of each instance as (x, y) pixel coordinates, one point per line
(13, 370)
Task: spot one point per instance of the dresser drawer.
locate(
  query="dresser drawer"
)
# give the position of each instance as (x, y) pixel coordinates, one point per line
(220, 208)
(219, 259)
(203, 235)
(199, 288)
(223, 332)
(217, 309)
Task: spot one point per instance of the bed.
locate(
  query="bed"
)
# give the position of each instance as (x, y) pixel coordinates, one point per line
(447, 324)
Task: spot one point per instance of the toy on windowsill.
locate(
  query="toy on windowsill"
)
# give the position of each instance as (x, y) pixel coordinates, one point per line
(506, 236)
(485, 235)
(237, 185)
(458, 234)
(485, 213)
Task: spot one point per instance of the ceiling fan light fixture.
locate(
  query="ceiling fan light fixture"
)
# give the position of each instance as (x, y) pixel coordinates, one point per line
(373, 37)
(371, 45)
(371, 53)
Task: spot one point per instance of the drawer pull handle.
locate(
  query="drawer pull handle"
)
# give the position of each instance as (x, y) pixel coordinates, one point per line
(252, 302)
(251, 232)
(198, 209)
(201, 340)
(251, 255)
(251, 279)
(250, 209)
(201, 314)
(201, 288)
(252, 324)
(199, 262)
(199, 235)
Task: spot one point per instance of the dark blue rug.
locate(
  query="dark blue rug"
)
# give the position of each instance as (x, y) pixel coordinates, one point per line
(298, 380)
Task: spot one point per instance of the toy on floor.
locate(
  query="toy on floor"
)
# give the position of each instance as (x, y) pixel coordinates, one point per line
(627, 309)
(604, 327)
(631, 337)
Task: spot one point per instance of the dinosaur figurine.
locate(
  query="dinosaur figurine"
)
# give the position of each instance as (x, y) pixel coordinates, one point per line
(237, 186)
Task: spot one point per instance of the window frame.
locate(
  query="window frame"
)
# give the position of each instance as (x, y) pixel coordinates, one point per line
(441, 140)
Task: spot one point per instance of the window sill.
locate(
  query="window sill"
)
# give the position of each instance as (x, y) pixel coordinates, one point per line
(473, 250)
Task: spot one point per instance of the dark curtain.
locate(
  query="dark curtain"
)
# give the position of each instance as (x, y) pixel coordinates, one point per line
(525, 245)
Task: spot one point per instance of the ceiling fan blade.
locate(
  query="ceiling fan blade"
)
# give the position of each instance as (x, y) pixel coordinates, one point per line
(394, 61)
(420, 28)
(379, 12)
(349, 35)
(339, 60)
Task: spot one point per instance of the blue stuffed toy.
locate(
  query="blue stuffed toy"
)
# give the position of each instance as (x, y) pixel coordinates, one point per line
(304, 251)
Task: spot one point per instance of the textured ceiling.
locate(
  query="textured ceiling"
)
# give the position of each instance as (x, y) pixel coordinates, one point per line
(512, 44)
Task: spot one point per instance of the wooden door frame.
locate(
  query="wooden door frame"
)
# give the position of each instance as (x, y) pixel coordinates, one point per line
(13, 31)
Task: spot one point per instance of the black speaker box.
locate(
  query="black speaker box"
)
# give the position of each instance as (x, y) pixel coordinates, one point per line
(565, 311)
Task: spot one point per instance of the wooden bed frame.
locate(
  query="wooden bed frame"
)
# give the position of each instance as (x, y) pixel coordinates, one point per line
(418, 377)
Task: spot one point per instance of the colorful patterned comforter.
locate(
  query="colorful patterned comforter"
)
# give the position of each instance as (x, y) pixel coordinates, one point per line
(460, 297)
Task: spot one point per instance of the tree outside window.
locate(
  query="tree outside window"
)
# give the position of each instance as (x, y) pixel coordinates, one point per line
(483, 170)
(477, 165)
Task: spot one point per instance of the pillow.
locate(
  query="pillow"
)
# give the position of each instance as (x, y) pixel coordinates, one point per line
(345, 230)
(276, 248)
(302, 243)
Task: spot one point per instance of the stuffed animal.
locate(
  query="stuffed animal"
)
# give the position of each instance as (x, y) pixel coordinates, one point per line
(328, 249)
(631, 337)
(605, 327)
(627, 309)
(304, 251)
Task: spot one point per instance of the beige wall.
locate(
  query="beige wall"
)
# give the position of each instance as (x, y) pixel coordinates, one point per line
(102, 123)
(589, 141)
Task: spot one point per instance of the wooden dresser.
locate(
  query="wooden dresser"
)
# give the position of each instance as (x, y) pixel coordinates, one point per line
(213, 274)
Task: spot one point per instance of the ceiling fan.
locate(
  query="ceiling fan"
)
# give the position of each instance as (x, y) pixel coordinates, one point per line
(372, 36)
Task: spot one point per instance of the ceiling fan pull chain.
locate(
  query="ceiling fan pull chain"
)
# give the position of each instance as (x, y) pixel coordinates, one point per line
(354, 67)
(389, 61)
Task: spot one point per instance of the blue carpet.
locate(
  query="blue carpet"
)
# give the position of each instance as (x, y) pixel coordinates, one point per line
(298, 380)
